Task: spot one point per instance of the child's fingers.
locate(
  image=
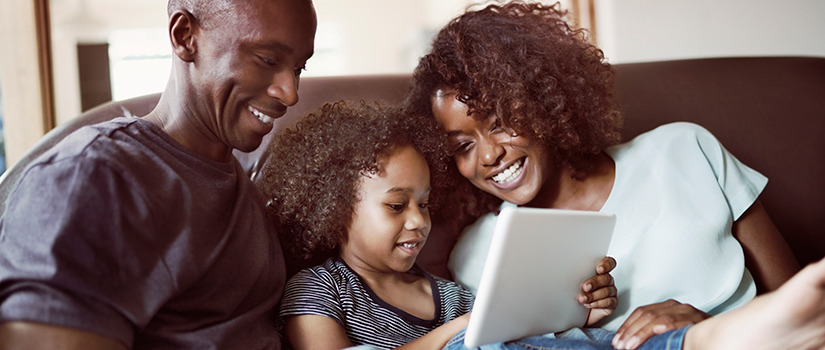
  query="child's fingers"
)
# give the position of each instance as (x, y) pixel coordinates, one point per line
(601, 293)
(605, 265)
(605, 303)
(597, 282)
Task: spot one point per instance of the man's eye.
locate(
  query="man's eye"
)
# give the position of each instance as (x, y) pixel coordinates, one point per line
(267, 61)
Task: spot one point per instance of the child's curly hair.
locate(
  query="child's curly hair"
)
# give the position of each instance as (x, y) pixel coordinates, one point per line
(524, 64)
(312, 171)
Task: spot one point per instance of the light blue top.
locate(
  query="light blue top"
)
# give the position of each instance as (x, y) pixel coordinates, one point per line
(676, 194)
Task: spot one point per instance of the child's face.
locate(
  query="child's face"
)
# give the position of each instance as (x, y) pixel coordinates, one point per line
(391, 221)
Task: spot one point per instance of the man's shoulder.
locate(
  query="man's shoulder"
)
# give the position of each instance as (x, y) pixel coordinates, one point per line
(92, 141)
(114, 150)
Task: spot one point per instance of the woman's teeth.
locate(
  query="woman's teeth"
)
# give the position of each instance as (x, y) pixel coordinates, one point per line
(510, 173)
(409, 245)
(262, 117)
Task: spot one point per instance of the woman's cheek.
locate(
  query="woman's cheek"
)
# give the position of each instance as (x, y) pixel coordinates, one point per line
(465, 166)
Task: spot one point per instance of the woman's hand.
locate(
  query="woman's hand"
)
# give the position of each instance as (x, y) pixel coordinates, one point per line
(654, 319)
(598, 293)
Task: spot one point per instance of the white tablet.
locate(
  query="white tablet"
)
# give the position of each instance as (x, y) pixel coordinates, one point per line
(537, 262)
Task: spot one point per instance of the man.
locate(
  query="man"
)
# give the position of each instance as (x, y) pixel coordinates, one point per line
(144, 232)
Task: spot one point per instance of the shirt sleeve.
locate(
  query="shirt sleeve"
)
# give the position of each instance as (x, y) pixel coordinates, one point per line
(741, 184)
(312, 292)
(77, 250)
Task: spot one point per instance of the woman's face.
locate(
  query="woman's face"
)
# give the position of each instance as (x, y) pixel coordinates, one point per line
(391, 221)
(496, 160)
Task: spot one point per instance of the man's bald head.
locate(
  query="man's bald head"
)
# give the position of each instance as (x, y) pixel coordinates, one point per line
(205, 12)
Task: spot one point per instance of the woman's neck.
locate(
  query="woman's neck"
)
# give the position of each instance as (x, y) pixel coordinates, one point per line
(578, 191)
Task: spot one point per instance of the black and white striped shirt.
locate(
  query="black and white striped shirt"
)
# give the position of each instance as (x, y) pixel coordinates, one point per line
(336, 291)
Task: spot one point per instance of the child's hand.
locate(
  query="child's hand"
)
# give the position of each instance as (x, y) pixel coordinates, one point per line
(599, 293)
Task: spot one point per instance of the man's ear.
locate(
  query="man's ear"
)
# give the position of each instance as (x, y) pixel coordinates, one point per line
(182, 26)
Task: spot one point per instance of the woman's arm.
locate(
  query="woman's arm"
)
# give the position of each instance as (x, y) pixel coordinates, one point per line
(767, 256)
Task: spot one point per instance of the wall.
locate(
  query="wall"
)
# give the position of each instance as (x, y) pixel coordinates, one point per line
(646, 30)
(387, 36)
(20, 78)
(91, 22)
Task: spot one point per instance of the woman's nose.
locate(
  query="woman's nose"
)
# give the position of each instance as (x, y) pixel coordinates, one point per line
(490, 151)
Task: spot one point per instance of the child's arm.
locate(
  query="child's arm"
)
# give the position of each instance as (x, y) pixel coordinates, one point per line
(437, 338)
(599, 292)
(321, 332)
(315, 332)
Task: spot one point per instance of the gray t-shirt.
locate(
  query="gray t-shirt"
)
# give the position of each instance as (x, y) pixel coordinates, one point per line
(122, 231)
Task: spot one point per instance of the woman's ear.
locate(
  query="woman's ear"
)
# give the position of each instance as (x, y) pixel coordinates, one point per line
(182, 27)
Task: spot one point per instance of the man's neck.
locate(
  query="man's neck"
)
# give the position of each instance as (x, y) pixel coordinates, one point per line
(178, 121)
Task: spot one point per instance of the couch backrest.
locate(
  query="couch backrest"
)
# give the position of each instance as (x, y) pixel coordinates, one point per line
(768, 111)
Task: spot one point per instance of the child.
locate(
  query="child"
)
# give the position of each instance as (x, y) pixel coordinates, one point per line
(353, 184)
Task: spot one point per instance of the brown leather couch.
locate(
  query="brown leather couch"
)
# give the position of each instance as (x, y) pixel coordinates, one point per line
(768, 111)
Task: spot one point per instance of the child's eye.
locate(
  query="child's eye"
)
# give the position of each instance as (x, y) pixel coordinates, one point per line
(395, 207)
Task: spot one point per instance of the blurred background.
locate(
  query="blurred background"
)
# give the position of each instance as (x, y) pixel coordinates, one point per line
(105, 50)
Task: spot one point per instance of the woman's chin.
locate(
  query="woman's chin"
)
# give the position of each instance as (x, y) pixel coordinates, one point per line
(517, 195)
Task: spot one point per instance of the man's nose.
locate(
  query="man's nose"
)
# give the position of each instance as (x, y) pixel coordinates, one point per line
(284, 87)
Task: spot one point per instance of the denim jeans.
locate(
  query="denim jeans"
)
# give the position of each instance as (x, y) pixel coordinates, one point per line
(576, 339)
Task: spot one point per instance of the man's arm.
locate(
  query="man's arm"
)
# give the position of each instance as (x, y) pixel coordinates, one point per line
(28, 335)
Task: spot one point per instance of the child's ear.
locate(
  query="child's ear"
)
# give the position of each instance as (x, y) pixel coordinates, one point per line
(182, 27)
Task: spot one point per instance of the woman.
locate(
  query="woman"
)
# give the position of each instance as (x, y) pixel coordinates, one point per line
(526, 104)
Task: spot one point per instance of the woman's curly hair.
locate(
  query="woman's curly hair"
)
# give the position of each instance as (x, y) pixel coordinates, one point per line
(523, 63)
(312, 171)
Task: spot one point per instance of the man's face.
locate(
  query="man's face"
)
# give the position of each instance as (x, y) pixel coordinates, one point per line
(247, 68)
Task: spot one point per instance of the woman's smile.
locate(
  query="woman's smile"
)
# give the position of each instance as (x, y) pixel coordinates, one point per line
(511, 175)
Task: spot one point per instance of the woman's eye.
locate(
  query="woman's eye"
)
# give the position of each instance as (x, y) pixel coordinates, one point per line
(495, 126)
(424, 205)
(461, 147)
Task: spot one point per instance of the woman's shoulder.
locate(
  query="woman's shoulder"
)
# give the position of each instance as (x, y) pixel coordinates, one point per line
(676, 136)
(675, 131)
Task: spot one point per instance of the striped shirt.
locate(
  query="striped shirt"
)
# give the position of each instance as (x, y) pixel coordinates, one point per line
(336, 291)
